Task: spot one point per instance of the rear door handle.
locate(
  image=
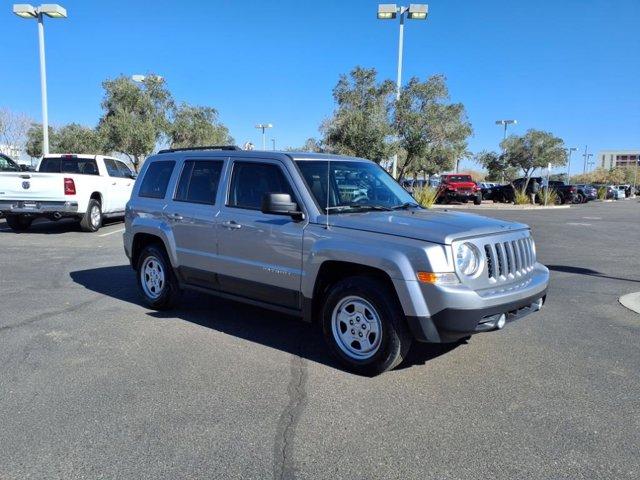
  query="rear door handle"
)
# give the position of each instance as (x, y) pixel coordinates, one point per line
(232, 224)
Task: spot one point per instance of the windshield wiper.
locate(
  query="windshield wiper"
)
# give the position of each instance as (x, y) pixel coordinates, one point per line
(405, 206)
(342, 208)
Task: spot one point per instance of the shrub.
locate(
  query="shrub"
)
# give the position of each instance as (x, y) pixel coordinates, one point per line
(550, 196)
(520, 197)
(602, 193)
(426, 196)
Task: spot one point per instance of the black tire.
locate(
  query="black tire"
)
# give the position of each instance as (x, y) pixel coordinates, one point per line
(169, 291)
(477, 200)
(578, 199)
(18, 223)
(395, 338)
(88, 223)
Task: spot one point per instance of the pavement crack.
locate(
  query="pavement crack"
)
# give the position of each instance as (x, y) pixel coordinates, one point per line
(284, 465)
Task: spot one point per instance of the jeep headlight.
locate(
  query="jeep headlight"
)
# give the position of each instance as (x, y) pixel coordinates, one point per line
(467, 259)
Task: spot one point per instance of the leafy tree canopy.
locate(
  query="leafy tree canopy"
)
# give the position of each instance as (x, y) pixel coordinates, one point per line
(535, 149)
(195, 126)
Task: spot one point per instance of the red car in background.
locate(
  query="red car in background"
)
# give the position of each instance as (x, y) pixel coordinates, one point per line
(458, 188)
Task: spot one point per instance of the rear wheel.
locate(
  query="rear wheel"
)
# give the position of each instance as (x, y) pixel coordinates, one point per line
(364, 325)
(18, 223)
(156, 281)
(478, 199)
(92, 220)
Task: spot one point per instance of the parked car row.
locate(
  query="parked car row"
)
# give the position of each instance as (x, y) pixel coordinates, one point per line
(461, 188)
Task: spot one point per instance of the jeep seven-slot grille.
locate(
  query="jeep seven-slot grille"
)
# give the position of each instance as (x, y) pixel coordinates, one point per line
(514, 257)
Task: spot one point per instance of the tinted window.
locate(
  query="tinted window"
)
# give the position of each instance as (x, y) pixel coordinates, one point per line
(112, 168)
(155, 181)
(7, 165)
(83, 166)
(125, 171)
(199, 181)
(251, 181)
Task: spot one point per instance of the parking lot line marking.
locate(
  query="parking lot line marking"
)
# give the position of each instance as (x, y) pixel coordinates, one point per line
(578, 224)
(592, 218)
(111, 233)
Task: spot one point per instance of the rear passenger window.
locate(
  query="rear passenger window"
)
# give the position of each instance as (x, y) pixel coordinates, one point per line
(155, 181)
(199, 182)
(112, 169)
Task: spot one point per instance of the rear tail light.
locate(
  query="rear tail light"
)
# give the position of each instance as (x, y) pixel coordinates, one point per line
(69, 186)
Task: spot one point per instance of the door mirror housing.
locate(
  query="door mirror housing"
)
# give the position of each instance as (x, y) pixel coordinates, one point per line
(281, 204)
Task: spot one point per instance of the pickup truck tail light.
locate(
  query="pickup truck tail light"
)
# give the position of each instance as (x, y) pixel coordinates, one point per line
(69, 186)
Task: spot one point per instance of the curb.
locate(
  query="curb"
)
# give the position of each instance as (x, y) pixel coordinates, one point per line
(631, 301)
(491, 207)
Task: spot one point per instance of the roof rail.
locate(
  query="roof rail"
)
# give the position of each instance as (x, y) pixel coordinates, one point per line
(209, 147)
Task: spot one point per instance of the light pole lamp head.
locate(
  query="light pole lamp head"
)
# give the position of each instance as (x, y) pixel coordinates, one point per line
(387, 11)
(506, 122)
(264, 125)
(25, 10)
(53, 10)
(418, 11)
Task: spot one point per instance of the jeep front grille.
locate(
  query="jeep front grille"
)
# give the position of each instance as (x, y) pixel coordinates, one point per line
(509, 259)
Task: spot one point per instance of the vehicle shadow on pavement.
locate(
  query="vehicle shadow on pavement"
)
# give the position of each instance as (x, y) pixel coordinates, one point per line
(586, 271)
(50, 227)
(271, 329)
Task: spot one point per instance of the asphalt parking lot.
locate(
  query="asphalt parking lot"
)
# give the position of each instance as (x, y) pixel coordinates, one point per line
(94, 385)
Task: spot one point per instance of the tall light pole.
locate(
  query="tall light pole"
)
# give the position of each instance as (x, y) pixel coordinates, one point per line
(586, 157)
(24, 10)
(389, 11)
(273, 144)
(263, 127)
(506, 123)
(569, 152)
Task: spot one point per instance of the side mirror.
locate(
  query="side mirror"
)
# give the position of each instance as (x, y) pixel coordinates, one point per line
(133, 176)
(24, 168)
(281, 204)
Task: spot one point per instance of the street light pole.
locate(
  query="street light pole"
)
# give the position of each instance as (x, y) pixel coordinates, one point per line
(389, 11)
(273, 144)
(43, 87)
(263, 127)
(570, 151)
(24, 10)
(505, 123)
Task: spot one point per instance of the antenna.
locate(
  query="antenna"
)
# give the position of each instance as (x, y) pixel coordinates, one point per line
(328, 184)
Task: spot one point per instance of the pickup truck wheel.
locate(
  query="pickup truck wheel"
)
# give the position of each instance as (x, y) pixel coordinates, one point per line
(156, 280)
(92, 220)
(477, 200)
(364, 326)
(18, 223)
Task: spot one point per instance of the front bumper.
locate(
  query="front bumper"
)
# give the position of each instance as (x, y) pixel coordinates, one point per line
(462, 312)
(461, 196)
(38, 207)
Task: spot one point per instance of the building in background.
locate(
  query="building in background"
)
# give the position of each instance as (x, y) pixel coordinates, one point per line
(618, 158)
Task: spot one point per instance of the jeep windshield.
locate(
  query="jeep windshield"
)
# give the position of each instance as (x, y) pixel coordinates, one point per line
(458, 178)
(353, 186)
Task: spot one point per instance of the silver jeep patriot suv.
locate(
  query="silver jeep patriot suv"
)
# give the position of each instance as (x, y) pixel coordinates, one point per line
(332, 239)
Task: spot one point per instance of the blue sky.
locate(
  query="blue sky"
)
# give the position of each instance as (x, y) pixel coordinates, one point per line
(571, 67)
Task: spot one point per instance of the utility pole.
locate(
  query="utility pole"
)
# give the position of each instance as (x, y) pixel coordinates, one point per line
(273, 144)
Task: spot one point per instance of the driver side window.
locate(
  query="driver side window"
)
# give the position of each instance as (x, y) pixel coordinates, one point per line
(251, 180)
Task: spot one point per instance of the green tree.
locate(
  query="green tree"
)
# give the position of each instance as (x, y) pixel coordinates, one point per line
(310, 145)
(195, 126)
(496, 166)
(535, 149)
(135, 116)
(33, 145)
(432, 132)
(360, 125)
(75, 138)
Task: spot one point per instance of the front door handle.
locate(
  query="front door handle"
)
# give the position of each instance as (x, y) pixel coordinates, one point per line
(175, 216)
(232, 225)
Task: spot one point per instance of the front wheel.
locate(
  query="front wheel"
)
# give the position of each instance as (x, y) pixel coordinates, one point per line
(18, 223)
(364, 326)
(477, 200)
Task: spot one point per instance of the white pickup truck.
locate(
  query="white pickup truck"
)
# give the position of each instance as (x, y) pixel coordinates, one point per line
(85, 187)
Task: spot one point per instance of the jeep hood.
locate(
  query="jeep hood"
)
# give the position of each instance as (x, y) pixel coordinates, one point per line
(438, 226)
